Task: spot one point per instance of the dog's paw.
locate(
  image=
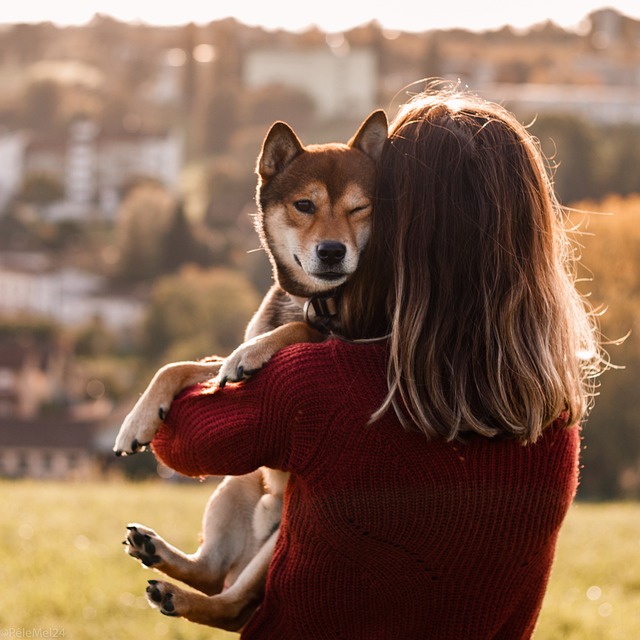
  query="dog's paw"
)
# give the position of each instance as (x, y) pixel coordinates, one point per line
(139, 427)
(166, 597)
(144, 544)
(245, 361)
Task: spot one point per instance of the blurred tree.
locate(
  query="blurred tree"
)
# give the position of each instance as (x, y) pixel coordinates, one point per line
(278, 102)
(231, 187)
(571, 146)
(28, 329)
(95, 339)
(179, 244)
(433, 60)
(41, 106)
(155, 236)
(517, 71)
(220, 121)
(621, 159)
(41, 189)
(142, 224)
(610, 240)
(198, 313)
(17, 232)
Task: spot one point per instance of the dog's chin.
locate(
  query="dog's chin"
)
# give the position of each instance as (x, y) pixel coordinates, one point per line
(299, 282)
(330, 277)
(327, 281)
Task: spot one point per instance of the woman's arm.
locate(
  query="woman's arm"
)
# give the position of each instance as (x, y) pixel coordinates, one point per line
(223, 432)
(279, 418)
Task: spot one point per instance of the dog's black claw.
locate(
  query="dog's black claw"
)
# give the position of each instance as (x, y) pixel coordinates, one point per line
(239, 373)
(162, 413)
(118, 453)
(223, 382)
(136, 445)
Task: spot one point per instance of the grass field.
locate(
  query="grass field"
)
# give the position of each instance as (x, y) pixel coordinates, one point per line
(64, 573)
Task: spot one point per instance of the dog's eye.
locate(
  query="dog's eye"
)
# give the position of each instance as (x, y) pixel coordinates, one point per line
(304, 206)
(363, 207)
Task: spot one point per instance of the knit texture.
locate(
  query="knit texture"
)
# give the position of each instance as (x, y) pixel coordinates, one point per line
(385, 535)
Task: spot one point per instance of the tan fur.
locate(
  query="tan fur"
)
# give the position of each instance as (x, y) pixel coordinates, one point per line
(312, 252)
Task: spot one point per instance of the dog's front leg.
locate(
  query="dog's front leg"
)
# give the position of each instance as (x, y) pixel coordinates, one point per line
(253, 354)
(145, 418)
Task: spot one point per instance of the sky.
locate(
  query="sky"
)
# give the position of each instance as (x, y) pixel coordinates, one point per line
(328, 15)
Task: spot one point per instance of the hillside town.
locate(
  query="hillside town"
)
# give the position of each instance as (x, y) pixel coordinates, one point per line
(93, 117)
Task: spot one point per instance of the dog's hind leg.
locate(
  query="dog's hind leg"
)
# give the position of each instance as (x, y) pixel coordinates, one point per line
(228, 540)
(154, 552)
(228, 610)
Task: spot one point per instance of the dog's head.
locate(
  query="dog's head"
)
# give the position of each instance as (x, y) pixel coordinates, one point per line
(315, 205)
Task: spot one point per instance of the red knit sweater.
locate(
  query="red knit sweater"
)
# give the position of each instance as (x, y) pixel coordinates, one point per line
(385, 535)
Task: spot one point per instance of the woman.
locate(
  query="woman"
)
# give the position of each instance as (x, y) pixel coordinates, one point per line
(431, 469)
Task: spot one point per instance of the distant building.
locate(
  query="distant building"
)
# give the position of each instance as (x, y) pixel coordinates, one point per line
(30, 285)
(70, 440)
(123, 158)
(48, 449)
(30, 376)
(94, 167)
(604, 104)
(60, 447)
(339, 82)
(12, 147)
(81, 170)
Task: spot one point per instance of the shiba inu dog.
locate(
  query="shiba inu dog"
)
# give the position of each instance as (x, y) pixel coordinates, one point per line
(314, 207)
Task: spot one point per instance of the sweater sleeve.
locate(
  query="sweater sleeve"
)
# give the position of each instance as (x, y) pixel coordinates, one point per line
(233, 430)
(263, 421)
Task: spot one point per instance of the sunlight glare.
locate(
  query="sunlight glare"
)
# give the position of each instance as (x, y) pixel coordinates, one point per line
(336, 16)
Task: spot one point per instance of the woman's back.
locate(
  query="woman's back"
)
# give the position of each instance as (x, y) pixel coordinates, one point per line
(386, 534)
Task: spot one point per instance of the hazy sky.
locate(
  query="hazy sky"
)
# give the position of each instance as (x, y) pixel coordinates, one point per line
(329, 15)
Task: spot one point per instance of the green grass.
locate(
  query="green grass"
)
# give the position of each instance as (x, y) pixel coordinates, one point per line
(594, 592)
(60, 549)
(64, 572)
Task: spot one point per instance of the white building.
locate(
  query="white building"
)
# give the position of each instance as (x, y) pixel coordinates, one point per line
(340, 81)
(94, 167)
(29, 285)
(122, 158)
(604, 104)
(12, 147)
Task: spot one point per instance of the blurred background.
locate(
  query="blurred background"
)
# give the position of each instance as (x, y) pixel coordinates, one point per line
(127, 152)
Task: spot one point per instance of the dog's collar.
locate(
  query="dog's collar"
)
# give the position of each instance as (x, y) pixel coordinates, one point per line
(321, 311)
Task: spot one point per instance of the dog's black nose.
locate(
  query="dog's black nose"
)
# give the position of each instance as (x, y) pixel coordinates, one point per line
(331, 252)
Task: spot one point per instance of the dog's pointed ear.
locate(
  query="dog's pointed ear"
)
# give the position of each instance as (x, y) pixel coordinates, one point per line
(281, 145)
(371, 135)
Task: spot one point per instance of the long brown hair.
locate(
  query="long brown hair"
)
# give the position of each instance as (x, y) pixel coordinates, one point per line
(470, 270)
